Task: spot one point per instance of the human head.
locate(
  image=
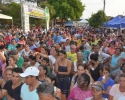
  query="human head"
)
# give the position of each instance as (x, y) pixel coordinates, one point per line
(51, 79)
(8, 73)
(62, 54)
(123, 68)
(45, 91)
(96, 48)
(122, 80)
(13, 41)
(81, 68)
(55, 52)
(15, 75)
(30, 75)
(81, 48)
(32, 59)
(11, 60)
(118, 51)
(25, 66)
(45, 61)
(97, 90)
(79, 56)
(83, 80)
(14, 53)
(26, 47)
(106, 71)
(94, 57)
(73, 48)
(42, 70)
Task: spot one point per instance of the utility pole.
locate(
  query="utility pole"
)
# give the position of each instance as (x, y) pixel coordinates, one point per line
(104, 2)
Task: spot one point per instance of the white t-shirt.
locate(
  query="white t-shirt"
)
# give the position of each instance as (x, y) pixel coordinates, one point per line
(27, 95)
(53, 60)
(115, 92)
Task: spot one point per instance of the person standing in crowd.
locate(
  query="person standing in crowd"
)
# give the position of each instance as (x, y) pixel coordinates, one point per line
(81, 68)
(116, 61)
(13, 86)
(117, 92)
(19, 59)
(103, 57)
(106, 80)
(72, 56)
(63, 70)
(28, 89)
(12, 45)
(82, 91)
(95, 67)
(46, 91)
(97, 91)
(12, 62)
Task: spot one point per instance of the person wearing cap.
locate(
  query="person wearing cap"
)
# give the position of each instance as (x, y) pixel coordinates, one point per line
(19, 59)
(28, 90)
(97, 91)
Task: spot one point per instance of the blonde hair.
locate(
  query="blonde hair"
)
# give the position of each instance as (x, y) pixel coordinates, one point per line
(25, 65)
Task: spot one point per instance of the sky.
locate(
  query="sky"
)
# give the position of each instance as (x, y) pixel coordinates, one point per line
(112, 8)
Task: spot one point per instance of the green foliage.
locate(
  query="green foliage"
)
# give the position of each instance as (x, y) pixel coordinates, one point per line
(97, 18)
(66, 9)
(51, 9)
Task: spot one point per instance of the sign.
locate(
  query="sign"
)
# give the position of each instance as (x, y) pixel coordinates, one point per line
(47, 17)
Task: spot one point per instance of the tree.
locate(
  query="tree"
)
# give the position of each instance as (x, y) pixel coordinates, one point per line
(97, 18)
(67, 9)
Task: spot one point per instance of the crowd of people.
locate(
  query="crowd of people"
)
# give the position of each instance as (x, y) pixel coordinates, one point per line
(77, 63)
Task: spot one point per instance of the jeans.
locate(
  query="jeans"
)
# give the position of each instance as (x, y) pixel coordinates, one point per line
(63, 83)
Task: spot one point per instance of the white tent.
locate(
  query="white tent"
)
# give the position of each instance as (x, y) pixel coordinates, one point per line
(83, 22)
(2, 16)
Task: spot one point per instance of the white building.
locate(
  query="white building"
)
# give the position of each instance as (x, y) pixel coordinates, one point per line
(29, 2)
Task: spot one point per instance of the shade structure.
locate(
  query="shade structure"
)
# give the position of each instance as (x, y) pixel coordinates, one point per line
(111, 22)
(69, 24)
(2, 16)
(120, 23)
(83, 21)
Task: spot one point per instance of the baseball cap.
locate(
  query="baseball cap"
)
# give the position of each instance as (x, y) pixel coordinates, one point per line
(33, 71)
(98, 85)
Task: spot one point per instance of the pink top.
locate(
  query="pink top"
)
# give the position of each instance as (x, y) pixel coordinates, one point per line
(79, 94)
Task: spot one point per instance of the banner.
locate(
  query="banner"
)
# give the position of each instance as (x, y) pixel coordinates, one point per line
(47, 17)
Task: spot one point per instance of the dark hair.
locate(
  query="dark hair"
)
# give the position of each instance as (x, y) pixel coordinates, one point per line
(119, 49)
(12, 57)
(46, 88)
(46, 59)
(81, 47)
(106, 68)
(63, 52)
(122, 75)
(83, 65)
(17, 70)
(2, 47)
(57, 51)
(32, 57)
(11, 69)
(122, 66)
(18, 46)
(53, 78)
(44, 68)
(94, 57)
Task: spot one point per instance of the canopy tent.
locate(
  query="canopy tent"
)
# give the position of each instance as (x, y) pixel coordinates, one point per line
(69, 24)
(2, 16)
(120, 23)
(109, 23)
(83, 21)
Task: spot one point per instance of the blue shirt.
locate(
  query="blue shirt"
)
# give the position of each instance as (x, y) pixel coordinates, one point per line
(85, 55)
(26, 94)
(57, 38)
(32, 47)
(110, 82)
